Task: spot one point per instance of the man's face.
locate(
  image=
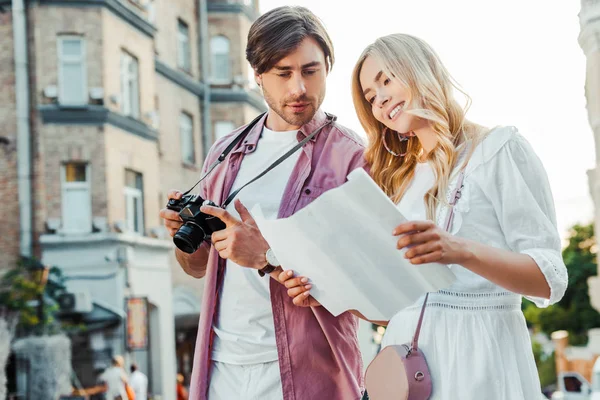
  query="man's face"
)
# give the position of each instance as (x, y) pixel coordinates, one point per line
(295, 87)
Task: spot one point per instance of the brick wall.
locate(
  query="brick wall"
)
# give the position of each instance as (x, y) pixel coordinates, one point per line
(566, 362)
(49, 24)
(167, 15)
(66, 143)
(173, 173)
(234, 27)
(107, 149)
(56, 144)
(9, 206)
(127, 151)
(118, 36)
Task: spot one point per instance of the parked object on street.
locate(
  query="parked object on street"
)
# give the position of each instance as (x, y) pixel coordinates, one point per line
(573, 386)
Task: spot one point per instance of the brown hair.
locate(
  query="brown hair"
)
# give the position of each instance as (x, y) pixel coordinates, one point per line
(279, 32)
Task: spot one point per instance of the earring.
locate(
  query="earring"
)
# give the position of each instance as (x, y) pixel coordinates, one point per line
(402, 137)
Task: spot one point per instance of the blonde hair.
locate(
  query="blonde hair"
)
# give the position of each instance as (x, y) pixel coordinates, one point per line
(416, 66)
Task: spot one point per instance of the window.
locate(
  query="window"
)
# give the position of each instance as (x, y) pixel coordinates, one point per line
(186, 130)
(130, 93)
(76, 199)
(223, 128)
(151, 9)
(572, 384)
(183, 46)
(72, 75)
(134, 201)
(219, 50)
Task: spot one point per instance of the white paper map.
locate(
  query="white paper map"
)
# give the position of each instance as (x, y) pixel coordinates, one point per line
(343, 243)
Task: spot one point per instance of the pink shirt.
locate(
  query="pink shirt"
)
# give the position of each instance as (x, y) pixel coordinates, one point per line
(319, 356)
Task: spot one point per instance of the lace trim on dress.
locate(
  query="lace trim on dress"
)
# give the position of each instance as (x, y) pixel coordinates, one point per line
(556, 277)
(472, 301)
(476, 308)
(475, 295)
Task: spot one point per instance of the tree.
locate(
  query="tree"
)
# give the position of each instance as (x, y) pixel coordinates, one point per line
(574, 312)
(22, 292)
(546, 365)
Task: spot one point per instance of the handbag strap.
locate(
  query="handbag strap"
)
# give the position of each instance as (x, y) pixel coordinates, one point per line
(455, 196)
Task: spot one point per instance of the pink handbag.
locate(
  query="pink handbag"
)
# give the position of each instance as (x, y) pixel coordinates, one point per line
(400, 372)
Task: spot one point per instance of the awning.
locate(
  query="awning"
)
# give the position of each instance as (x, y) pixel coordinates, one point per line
(102, 316)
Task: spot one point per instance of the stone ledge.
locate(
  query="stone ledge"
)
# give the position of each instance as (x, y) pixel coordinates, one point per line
(234, 8)
(94, 115)
(179, 78)
(57, 240)
(117, 7)
(221, 95)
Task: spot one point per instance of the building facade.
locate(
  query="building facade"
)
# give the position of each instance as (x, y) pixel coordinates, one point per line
(116, 116)
(589, 40)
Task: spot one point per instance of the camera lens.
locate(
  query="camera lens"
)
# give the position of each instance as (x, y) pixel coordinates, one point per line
(188, 238)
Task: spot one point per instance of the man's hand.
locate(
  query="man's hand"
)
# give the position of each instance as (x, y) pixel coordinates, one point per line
(193, 264)
(241, 241)
(172, 219)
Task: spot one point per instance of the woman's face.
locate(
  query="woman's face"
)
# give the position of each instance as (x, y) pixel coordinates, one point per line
(388, 98)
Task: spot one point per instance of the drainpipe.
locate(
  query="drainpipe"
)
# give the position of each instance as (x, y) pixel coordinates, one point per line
(203, 53)
(19, 18)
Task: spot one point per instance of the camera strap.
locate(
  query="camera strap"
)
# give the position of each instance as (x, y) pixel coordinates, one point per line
(227, 150)
(330, 119)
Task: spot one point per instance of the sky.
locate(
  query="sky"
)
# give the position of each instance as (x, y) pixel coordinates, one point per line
(519, 61)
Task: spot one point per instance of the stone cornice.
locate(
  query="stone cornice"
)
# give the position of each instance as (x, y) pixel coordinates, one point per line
(94, 115)
(107, 237)
(117, 7)
(181, 79)
(226, 95)
(217, 95)
(234, 8)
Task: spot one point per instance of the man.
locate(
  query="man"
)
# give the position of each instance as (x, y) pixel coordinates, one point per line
(139, 383)
(252, 341)
(114, 379)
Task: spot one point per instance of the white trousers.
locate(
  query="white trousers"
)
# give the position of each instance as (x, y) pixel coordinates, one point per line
(245, 382)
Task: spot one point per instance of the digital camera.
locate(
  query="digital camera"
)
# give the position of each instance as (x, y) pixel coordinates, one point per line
(197, 226)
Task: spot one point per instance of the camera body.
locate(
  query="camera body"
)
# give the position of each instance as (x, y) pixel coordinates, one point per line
(197, 226)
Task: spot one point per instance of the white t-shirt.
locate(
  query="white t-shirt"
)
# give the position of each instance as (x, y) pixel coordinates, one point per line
(139, 384)
(412, 204)
(113, 377)
(244, 329)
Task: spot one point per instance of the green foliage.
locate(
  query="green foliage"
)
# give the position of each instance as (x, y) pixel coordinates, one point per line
(546, 365)
(35, 302)
(574, 312)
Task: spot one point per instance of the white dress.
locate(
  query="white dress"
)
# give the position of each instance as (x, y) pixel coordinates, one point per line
(474, 335)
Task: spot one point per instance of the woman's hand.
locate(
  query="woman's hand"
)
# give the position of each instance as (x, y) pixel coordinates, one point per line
(298, 288)
(428, 243)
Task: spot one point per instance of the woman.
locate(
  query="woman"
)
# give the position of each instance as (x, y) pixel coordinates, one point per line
(502, 244)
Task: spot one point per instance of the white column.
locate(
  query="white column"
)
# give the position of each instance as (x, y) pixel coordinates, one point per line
(589, 40)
